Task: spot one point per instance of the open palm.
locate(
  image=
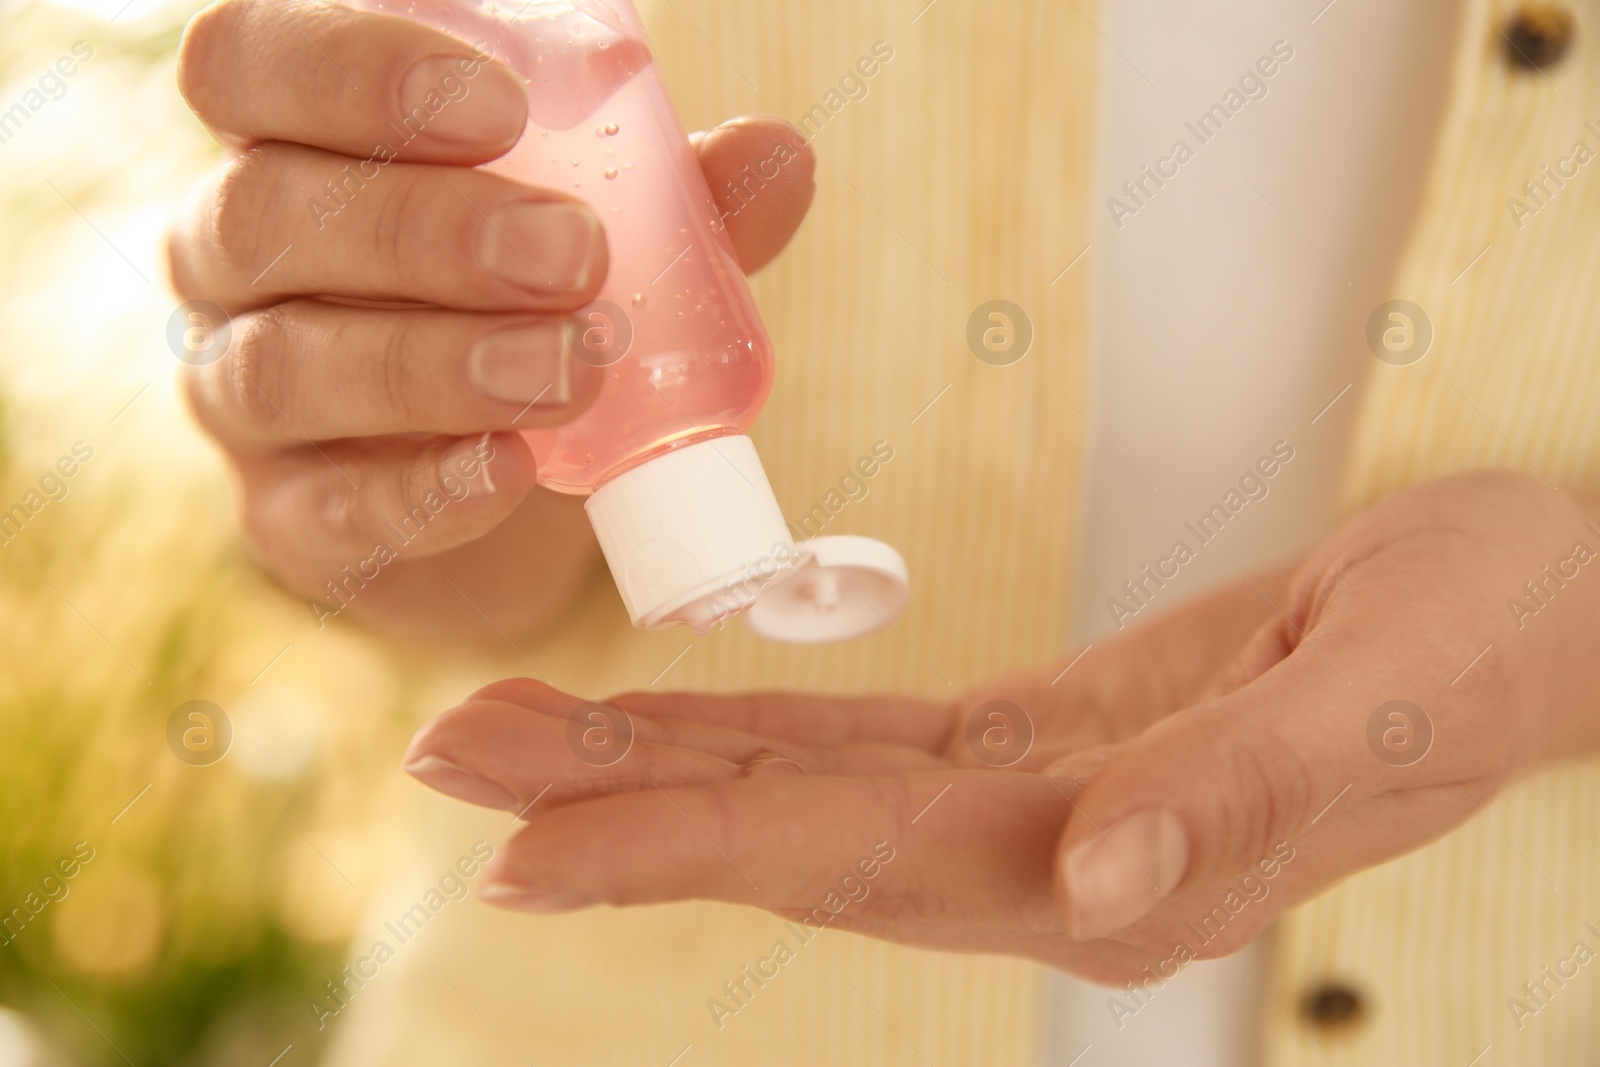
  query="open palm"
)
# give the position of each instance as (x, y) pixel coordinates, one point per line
(787, 801)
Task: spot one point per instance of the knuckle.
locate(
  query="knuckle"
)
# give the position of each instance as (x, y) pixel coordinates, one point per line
(179, 261)
(261, 517)
(258, 391)
(205, 39)
(335, 505)
(342, 39)
(1269, 798)
(398, 380)
(242, 198)
(281, 506)
(418, 484)
(200, 392)
(394, 225)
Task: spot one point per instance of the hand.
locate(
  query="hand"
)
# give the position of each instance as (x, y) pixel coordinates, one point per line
(795, 790)
(1202, 829)
(390, 352)
(1163, 795)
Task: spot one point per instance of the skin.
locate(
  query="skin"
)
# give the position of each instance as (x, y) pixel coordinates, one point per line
(326, 450)
(1244, 714)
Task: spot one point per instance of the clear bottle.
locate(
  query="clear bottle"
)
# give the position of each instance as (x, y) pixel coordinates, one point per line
(677, 496)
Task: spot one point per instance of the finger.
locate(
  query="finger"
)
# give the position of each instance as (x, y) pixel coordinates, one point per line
(469, 593)
(1217, 788)
(308, 369)
(762, 176)
(501, 755)
(1109, 963)
(807, 718)
(332, 516)
(1156, 667)
(1211, 791)
(965, 846)
(281, 220)
(349, 81)
(541, 744)
(1077, 770)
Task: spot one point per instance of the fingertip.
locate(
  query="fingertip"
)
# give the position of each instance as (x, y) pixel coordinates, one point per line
(529, 693)
(773, 149)
(425, 743)
(762, 174)
(444, 776)
(508, 464)
(757, 129)
(323, 73)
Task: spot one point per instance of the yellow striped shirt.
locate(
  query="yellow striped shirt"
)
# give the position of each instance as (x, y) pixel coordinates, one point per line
(948, 178)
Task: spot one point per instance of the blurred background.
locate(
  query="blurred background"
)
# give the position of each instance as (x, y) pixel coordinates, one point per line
(227, 862)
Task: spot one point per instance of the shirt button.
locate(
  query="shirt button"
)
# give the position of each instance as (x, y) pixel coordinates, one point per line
(1539, 35)
(1332, 1004)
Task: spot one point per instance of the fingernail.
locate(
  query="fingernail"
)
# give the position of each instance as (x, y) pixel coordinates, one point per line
(464, 469)
(759, 121)
(1076, 771)
(460, 783)
(540, 245)
(522, 364)
(1118, 877)
(531, 900)
(770, 763)
(488, 109)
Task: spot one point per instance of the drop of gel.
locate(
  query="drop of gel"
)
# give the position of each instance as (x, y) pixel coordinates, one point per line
(638, 300)
(611, 129)
(611, 173)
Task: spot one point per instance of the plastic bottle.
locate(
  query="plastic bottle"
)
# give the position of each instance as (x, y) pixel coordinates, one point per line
(677, 496)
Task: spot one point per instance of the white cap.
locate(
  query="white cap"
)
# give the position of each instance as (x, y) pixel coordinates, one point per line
(845, 587)
(695, 536)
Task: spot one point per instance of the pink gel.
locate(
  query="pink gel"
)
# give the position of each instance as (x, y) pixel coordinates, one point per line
(686, 357)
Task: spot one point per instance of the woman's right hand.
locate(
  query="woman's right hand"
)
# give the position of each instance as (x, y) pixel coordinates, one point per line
(397, 314)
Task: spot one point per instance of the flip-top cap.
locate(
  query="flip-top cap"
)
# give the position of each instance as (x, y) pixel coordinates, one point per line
(695, 536)
(845, 586)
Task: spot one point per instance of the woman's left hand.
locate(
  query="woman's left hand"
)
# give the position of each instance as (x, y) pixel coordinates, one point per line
(1168, 809)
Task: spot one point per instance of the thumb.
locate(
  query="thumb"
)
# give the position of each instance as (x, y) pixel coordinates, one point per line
(761, 171)
(1208, 792)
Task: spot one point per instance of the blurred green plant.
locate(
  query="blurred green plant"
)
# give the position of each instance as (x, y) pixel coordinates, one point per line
(218, 898)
